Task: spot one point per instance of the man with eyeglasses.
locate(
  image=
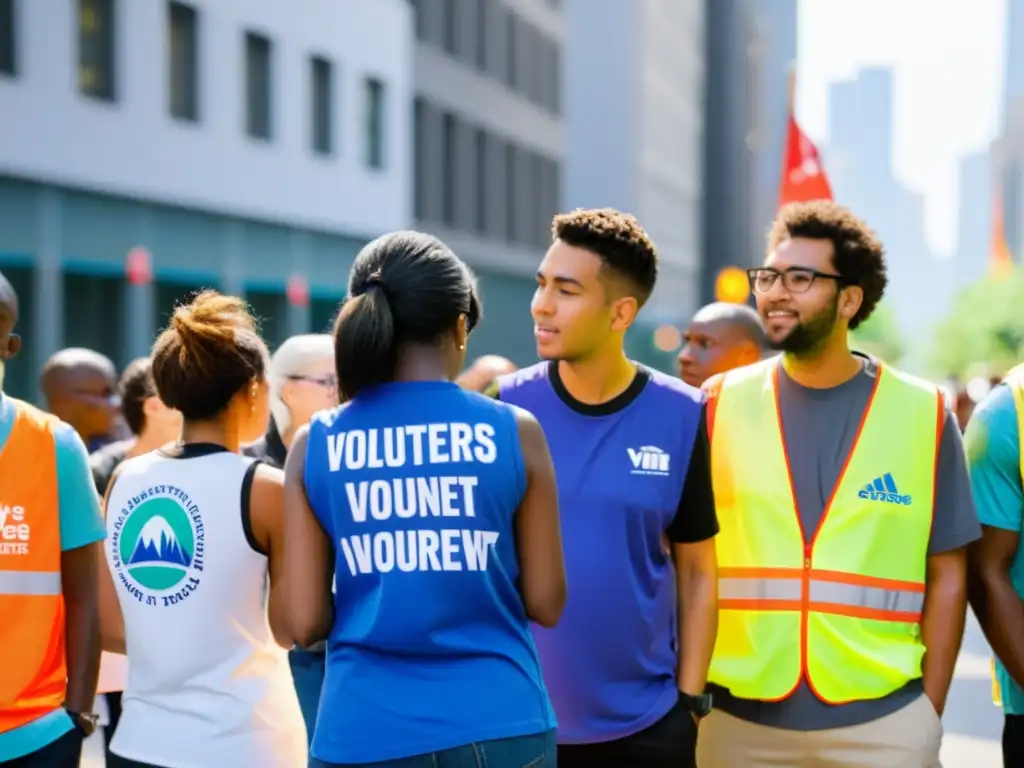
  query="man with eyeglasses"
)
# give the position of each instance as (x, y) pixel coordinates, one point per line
(302, 381)
(845, 509)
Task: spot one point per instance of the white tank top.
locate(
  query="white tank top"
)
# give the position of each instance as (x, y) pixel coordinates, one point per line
(208, 687)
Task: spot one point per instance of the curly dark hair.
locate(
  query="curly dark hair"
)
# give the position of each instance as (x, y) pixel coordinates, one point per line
(858, 254)
(618, 239)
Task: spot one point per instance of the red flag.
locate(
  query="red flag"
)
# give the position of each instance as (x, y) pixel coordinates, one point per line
(1000, 260)
(803, 175)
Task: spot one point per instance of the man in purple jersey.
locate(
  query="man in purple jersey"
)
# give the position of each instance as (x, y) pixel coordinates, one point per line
(627, 663)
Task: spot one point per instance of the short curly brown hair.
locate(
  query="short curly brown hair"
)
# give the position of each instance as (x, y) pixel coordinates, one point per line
(618, 239)
(858, 254)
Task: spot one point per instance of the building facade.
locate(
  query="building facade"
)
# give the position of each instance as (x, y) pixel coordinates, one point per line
(488, 148)
(635, 79)
(246, 145)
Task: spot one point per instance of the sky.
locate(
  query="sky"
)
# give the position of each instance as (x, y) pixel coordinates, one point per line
(947, 60)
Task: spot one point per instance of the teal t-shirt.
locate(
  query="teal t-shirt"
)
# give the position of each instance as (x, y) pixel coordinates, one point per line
(81, 523)
(993, 453)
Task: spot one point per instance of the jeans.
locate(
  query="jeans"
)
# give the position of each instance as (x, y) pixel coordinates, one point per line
(308, 673)
(517, 752)
(65, 752)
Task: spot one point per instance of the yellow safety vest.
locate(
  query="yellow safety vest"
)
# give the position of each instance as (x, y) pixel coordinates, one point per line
(840, 606)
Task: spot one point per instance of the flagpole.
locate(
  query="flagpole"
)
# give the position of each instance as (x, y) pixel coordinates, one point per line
(791, 89)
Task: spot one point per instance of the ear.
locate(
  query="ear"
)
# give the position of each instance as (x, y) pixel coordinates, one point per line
(151, 406)
(850, 300)
(13, 346)
(624, 311)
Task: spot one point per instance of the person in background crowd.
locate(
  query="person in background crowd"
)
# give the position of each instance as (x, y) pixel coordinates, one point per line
(483, 372)
(429, 658)
(195, 530)
(845, 508)
(996, 563)
(302, 382)
(720, 337)
(49, 564)
(626, 666)
(152, 425)
(80, 387)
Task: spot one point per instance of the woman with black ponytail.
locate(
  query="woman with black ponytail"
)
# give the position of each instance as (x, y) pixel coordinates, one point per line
(434, 511)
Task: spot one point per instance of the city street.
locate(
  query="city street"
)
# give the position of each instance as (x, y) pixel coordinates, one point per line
(972, 722)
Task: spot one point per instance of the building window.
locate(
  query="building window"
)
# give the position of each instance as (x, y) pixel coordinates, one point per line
(375, 122)
(511, 51)
(258, 97)
(511, 190)
(449, 170)
(183, 25)
(96, 49)
(451, 26)
(483, 14)
(8, 39)
(556, 78)
(421, 19)
(419, 155)
(321, 81)
(480, 166)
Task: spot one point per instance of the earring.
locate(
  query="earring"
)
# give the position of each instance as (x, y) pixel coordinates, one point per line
(461, 347)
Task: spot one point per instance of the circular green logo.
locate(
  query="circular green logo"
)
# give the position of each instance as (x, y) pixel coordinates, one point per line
(157, 543)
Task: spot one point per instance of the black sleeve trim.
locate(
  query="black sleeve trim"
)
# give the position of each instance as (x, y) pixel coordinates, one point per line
(695, 518)
(250, 535)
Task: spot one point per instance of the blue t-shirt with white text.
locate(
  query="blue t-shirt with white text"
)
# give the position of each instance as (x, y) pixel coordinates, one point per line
(417, 484)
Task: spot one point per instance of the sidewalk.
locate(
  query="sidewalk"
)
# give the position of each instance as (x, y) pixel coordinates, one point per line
(973, 725)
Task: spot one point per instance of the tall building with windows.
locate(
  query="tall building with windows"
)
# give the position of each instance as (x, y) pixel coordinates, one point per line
(248, 145)
(635, 80)
(488, 147)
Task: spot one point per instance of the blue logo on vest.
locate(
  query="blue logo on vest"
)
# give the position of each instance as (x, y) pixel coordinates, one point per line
(884, 489)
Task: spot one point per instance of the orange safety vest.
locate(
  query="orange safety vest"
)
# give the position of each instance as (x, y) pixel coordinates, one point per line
(839, 607)
(33, 675)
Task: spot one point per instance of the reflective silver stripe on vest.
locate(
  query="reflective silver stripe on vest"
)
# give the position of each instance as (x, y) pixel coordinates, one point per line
(759, 589)
(873, 598)
(852, 595)
(29, 583)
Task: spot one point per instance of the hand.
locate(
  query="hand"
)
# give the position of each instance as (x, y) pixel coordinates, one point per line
(84, 723)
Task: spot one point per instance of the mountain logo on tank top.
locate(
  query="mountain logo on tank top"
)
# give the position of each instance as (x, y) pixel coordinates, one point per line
(157, 546)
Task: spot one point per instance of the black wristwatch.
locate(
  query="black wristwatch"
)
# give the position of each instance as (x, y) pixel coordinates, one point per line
(85, 722)
(696, 705)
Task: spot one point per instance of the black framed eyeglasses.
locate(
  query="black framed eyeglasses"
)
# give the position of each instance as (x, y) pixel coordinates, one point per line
(329, 381)
(794, 279)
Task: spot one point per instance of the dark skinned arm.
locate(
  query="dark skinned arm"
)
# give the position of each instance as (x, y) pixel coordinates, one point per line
(692, 535)
(266, 512)
(942, 625)
(80, 575)
(993, 452)
(111, 618)
(697, 574)
(994, 599)
(308, 556)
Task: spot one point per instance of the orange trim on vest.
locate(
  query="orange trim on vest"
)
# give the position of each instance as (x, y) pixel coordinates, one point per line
(33, 677)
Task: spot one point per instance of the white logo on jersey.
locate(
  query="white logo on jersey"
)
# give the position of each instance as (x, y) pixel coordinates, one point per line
(649, 460)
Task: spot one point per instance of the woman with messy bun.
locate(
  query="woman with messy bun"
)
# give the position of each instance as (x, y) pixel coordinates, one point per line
(194, 530)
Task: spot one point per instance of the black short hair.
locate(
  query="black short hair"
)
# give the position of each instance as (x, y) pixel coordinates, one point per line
(135, 387)
(404, 288)
(858, 254)
(208, 353)
(618, 240)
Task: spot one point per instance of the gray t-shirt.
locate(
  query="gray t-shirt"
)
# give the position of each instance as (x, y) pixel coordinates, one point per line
(821, 425)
